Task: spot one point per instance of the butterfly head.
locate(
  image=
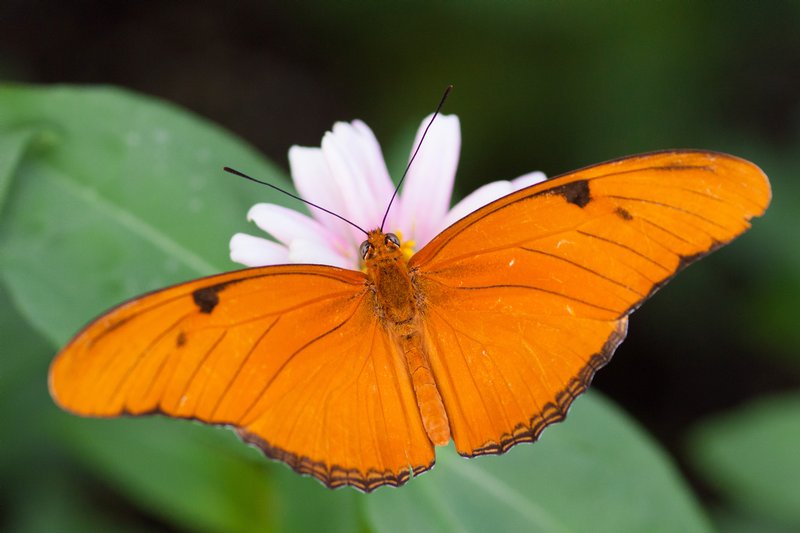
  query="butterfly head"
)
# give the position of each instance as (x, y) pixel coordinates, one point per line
(379, 247)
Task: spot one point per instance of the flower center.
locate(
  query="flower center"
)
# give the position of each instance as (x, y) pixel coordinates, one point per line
(407, 247)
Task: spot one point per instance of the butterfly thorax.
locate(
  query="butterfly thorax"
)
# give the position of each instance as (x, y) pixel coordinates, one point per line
(388, 271)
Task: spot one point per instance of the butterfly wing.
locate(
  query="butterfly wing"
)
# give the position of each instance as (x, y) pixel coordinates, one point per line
(528, 296)
(293, 357)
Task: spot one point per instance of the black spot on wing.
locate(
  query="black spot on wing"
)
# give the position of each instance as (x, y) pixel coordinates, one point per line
(623, 213)
(206, 299)
(576, 192)
(180, 340)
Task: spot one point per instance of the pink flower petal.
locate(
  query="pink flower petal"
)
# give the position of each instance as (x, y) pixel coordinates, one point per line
(429, 183)
(356, 164)
(489, 193)
(314, 182)
(255, 251)
(526, 180)
(311, 252)
(286, 225)
(380, 182)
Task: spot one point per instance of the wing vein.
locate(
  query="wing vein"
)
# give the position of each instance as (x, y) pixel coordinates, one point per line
(585, 268)
(626, 247)
(533, 288)
(456, 335)
(197, 367)
(292, 356)
(239, 368)
(668, 206)
(135, 364)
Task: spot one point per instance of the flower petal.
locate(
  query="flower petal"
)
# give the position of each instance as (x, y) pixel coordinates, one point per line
(489, 193)
(255, 251)
(381, 185)
(356, 163)
(314, 182)
(526, 180)
(429, 183)
(287, 225)
(303, 251)
(307, 240)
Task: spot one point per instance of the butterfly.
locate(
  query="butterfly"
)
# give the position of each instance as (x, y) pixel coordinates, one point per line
(485, 336)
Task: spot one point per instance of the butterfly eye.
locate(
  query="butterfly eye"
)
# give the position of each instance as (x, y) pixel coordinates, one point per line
(392, 238)
(365, 249)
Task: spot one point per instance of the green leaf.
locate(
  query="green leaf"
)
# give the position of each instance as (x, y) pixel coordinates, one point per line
(734, 520)
(205, 477)
(752, 456)
(304, 504)
(13, 144)
(54, 505)
(25, 412)
(594, 472)
(120, 194)
(190, 474)
(25, 356)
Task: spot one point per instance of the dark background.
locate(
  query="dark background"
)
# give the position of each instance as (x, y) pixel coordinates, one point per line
(549, 86)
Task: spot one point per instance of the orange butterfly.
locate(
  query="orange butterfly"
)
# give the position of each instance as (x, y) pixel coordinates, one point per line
(485, 336)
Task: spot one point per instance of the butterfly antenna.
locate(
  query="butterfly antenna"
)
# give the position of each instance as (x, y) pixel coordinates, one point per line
(287, 193)
(416, 150)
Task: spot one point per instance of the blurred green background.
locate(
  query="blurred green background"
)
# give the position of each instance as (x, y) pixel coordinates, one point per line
(107, 192)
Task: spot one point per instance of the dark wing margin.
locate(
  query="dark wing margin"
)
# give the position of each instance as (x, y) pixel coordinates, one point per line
(556, 411)
(335, 476)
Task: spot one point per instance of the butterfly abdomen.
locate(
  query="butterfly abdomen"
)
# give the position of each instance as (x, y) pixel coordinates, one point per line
(429, 401)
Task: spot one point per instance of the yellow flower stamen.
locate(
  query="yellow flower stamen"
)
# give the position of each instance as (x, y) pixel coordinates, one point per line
(407, 247)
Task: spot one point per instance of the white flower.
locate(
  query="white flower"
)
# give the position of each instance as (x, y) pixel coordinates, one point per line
(348, 176)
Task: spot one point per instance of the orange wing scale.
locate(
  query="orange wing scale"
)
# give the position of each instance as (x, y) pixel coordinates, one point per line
(527, 297)
(292, 356)
(518, 304)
